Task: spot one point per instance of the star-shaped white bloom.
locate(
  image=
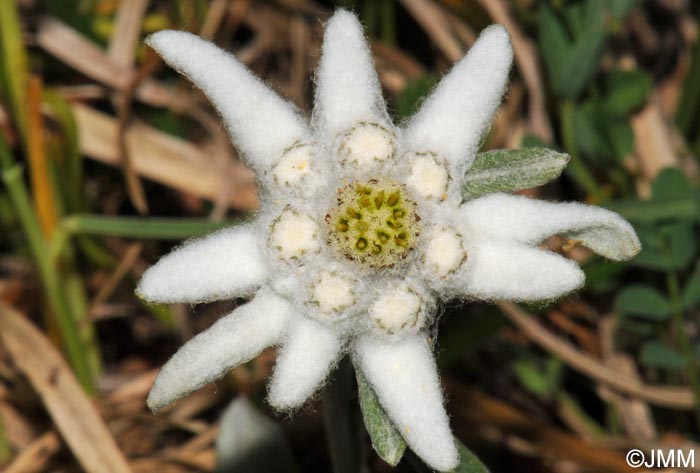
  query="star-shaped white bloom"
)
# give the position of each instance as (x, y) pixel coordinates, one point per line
(362, 230)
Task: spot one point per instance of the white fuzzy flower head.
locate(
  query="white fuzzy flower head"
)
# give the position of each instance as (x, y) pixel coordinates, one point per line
(362, 231)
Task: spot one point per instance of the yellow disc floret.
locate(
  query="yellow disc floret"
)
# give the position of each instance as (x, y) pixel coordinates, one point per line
(373, 223)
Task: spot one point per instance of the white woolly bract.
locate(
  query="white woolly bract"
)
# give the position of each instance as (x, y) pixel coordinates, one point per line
(223, 265)
(527, 220)
(347, 86)
(404, 376)
(260, 122)
(232, 340)
(453, 118)
(512, 271)
(306, 357)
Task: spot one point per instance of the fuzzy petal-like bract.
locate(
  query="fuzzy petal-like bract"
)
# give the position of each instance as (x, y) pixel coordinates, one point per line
(405, 379)
(454, 117)
(232, 340)
(512, 271)
(223, 265)
(306, 357)
(260, 122)
(347, 87)
(531, 221)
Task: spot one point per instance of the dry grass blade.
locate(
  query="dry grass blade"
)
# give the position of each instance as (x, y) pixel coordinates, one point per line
(636, 416)
(163, 158)
(435, 23)
(479, 410)
(215, 15)
(67, 45)
(126, 33)
(71, 410)
(122, 48)
(675, 397)
(36, 455)
(126, 261)
(528, 65)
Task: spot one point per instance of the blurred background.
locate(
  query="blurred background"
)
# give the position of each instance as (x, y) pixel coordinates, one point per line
(109, 159)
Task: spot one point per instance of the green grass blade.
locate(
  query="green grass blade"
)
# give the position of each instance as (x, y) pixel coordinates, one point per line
(141, 227)
(16, 189)
(14, 64)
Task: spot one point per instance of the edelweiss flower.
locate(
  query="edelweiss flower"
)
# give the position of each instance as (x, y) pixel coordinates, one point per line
(362, 230)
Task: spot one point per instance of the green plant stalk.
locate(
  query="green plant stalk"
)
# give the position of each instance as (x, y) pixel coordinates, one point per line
(576, 168)
(565, 399)
(684, 344)
(12, 176)
(74, 289)
(140, 227)
(343, 421)
(14, 64)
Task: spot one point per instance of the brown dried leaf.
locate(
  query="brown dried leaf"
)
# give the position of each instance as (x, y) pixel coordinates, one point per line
(71, 410)
(165, 159)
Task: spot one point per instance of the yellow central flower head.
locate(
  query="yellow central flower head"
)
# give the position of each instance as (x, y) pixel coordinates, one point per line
(374, 223)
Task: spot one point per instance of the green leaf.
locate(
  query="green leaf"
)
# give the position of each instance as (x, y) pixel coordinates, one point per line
(655, 354)
(649, 212)
(542, 379)
(386, 440)
(673, 198)
(603, 276)
(691, 291)
(625, 91)
(671, 185)
(509, 170)
(654, 254)
(643, 301)
(682, 243)
(620, 8)
(468, 462)
(666, 246)
(572, 61)
(621, 138)
(589, 131)
(554, 44)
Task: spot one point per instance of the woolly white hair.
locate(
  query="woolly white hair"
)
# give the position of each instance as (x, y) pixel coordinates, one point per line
(231, 260)
(348, 89)
(446, 122)
(261, 123)
(232, 340)
(319, 301)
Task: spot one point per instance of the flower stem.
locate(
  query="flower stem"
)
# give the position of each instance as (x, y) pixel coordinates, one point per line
(684, 344)
(344, 428)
